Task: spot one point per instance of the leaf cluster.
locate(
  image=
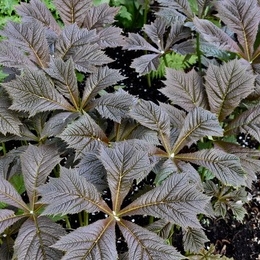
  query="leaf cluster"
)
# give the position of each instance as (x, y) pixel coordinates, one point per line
(77, 136)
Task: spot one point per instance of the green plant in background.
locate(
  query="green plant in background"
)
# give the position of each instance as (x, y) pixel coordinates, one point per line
(75, 140)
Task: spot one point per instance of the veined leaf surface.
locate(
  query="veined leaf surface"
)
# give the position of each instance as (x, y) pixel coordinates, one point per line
(70, 194)
(175, 200)
(226, 167)
(33, 92)
(198, 123)
(145, 244)
(95, 241)
(226, 86)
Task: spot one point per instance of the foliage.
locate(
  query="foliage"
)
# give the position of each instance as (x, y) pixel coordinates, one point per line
(76, 140)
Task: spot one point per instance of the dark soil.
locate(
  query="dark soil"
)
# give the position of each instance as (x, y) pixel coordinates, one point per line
(230, 237)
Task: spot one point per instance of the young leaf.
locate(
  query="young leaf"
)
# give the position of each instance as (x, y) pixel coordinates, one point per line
(194, 240)
(12, 56)
(10, 196)
(145, 244)
(95, 241)
(88, 57)
(37, 163)
(7, 218)
(226, 167)
(197, 124)
(184, 89)
(64, 77)
(246, 122)
(71, 38)
(40, 235)
(152, 116)
(114, 106)
(73, 11)
(30, 37)
(243, 19)
(70, 194)
(9, 121)
(215, 35)
(33, 92)
(123, 164)
(226, 86)
(175, 200)
(82, 132)
(99, 16)
(99, 80)
(36, 10)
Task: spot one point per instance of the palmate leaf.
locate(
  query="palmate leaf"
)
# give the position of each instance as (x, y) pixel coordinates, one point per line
(73, 11)
(243, 19)
(33, 92)
(71, 38)
(86, 58)
(38, 11)
(110, 37)
(152, 116)
(99, 16)
(9, 121)
(226, 167)
(95, 241)
(181, 5)
(40, 235)
(65, 80)
(197, 124)
(99, 80)
(114, 106)
(12, 56)
(30, 37)
(123, 164)
(176, 201)
(10, 196)
(184, 89)
(246, 122)
(216, 36)
(7, 218)
(82, 132)
(226, 86)
(37, 163)
(202, 6)
(194, 240)
(70, 194)
(145, 244)
(161, 227)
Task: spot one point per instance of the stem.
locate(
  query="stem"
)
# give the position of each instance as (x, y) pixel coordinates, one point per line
(85, 218)
(198, 50)
(68, 226)
(4, 148)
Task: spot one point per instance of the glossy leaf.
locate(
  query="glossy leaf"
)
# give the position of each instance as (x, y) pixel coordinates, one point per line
(30, 37)
(40, 235)
(9, 121)
(226, 86)
(123, 164)
(64, 77)
(37, 163)
(7, 218)
(246, 122)
(184, 89)
(72, 11)
(99, 80)
(10, 196)
(95, 241)
(198, 123)
(152, 116)
(33, 92)
(82, 132)
(175, 200)
(145, 244)
(226, 167)
(36, 10)
(70, 194)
